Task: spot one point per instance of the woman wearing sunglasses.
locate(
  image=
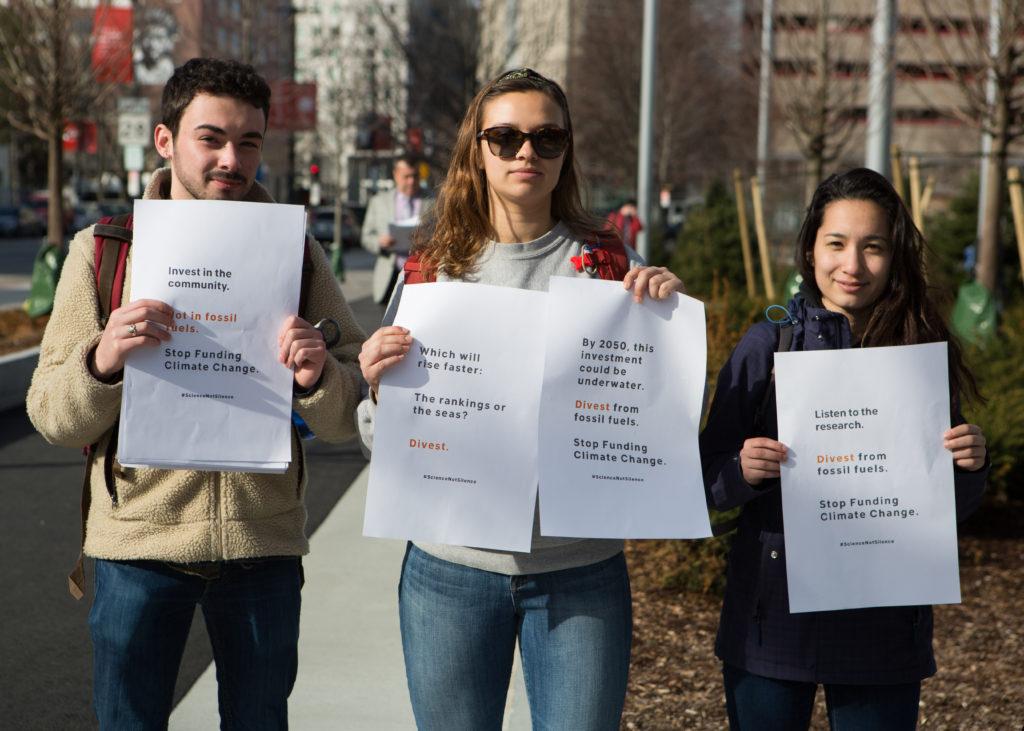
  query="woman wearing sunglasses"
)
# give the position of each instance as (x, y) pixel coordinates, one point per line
(509, 213)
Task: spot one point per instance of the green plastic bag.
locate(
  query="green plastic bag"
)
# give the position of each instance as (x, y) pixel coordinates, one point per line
(45, 273)
(974, 314)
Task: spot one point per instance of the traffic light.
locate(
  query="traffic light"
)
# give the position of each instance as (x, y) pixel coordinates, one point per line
(314, 184)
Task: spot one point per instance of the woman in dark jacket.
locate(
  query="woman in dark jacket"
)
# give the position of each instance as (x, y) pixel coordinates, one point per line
(862, 263)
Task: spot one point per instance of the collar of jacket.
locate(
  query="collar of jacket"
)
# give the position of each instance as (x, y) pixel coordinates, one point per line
(817, 328)
(159, 188)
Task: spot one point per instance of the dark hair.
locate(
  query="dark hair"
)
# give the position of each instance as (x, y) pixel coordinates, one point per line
(460, 220)
(904, 314)
(219, 77)
(407, 159)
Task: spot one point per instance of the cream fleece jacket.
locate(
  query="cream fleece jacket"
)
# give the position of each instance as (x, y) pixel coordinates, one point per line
(182, 516)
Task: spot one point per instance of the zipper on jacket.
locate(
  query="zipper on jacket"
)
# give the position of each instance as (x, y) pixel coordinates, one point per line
(757, 621)
(217, 517)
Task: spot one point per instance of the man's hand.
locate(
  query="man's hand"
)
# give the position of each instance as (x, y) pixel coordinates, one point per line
(138, 324)
(301, 347)
(386, 241)
(656, 282)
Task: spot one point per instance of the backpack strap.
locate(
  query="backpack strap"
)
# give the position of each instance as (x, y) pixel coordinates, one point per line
(606, 257)
(414, 272)
(112, 238)
(612, 259)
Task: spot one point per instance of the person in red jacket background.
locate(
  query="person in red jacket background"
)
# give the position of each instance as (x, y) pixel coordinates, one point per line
(626, 222)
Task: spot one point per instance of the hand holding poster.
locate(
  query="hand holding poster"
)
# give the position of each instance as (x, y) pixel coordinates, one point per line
(623, 390)
(867, 487)
(215, 396)
(455, 436)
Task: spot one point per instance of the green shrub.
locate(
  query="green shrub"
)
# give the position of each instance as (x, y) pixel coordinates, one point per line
(999, 370)
(708, 246)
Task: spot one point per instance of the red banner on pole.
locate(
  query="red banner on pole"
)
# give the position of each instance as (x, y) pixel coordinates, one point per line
(112, 45)
(69, 137)
(292, 106)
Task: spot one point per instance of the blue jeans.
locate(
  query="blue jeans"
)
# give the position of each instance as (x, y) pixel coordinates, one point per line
(140, 620)
(767, 704)
(459, 630)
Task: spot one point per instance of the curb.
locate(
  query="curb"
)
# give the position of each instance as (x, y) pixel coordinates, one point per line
(15, 376)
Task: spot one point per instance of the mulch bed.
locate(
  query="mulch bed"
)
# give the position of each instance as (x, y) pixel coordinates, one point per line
(676, 683)
(18, 331)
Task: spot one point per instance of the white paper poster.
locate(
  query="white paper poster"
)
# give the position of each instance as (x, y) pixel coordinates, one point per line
(215, 396)
(867, 489)
(620, 414)
(455, 436)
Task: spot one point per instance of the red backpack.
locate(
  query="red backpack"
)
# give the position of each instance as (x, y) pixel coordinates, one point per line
(606, 257)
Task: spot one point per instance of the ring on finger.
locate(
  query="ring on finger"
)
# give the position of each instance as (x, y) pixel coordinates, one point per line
(132, 330)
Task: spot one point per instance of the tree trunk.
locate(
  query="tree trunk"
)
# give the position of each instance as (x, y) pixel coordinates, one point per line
(55, 176)
(987, 271)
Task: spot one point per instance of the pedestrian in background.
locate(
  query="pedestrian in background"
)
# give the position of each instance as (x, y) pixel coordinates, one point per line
(626, 221)
(405, 203)
(862, 261)
(509, 214)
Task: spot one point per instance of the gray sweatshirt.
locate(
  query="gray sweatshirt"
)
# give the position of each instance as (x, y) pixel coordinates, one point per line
(526, 266)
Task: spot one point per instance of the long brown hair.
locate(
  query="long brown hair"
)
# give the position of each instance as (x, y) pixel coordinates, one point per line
(459, 224)
(904, 314)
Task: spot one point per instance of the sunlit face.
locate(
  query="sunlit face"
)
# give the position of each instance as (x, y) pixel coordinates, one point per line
(527, 179)
(405, 178)
(852, 257)
(217, 150)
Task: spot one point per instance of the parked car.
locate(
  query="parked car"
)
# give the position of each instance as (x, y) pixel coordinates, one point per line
(321, 225)
(10, 221)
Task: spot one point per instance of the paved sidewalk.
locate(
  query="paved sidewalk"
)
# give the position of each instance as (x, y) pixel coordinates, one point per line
(351, 672)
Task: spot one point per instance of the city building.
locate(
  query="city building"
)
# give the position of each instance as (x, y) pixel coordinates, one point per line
(355, 53)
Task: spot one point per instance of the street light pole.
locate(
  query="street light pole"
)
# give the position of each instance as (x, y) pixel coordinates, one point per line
(646, 142)
(880, 88)
(994, 22)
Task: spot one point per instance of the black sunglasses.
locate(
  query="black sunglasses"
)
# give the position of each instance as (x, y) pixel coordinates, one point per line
(505, 142)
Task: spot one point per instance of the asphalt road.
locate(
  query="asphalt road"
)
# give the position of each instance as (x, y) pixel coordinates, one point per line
(45, 650)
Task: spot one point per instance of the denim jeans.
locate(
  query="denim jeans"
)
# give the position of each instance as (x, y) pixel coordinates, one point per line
(767, 704)
(140, 620)
(459, 631)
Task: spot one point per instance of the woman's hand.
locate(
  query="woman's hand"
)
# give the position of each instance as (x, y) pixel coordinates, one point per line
(967, 444)
(382, 350)
(657, 282)
(760, 459)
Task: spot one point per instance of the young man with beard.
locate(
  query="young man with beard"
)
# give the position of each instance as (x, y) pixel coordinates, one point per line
(167, 540)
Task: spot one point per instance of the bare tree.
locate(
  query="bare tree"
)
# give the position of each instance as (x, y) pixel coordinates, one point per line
(818, 69)
(47, 74)
(959, 34)
(440, 50)
(702, 112)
